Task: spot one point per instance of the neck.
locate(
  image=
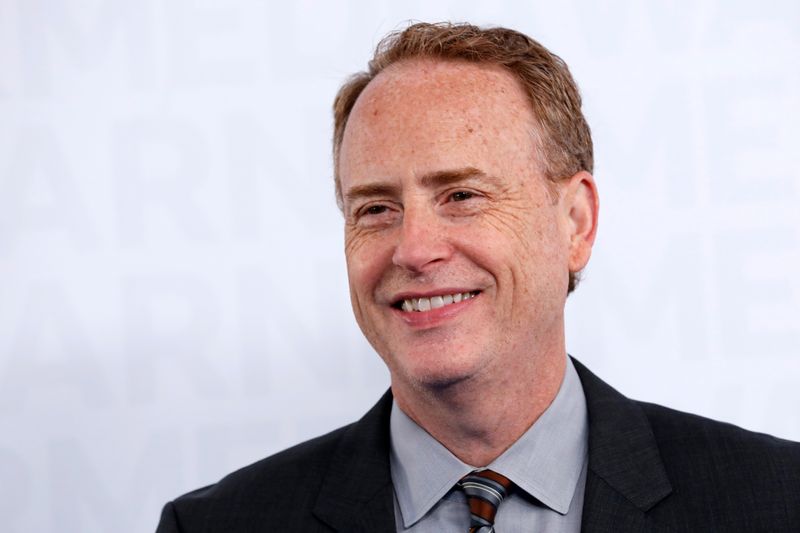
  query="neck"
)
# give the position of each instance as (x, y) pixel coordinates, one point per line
(477, 432)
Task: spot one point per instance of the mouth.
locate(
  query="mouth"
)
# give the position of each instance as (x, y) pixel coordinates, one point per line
(424, 304)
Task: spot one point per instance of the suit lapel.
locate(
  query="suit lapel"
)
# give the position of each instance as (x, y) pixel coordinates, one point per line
(626, 476)
(357, 494)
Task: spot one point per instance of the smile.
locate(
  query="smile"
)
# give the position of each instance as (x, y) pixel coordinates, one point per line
(421, 305)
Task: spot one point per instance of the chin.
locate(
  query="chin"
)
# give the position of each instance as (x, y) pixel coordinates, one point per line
(442, 383)
(437, 377)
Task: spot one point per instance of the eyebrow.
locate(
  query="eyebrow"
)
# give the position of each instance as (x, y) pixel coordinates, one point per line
(439, 178)
(368, 190)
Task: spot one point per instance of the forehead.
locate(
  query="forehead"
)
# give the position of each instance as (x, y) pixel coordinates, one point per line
(441, 82)
(435, 114)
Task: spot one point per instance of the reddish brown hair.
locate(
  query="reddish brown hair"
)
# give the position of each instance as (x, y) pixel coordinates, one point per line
(564, 142)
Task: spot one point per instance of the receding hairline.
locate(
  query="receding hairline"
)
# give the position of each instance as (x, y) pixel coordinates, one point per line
(431, 63)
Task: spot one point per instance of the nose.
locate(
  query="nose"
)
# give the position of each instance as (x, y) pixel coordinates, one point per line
(422, 242)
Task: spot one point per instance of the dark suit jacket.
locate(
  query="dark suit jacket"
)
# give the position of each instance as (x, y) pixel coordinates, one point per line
(650, 469)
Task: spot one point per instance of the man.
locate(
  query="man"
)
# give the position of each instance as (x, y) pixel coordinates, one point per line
(463, 169)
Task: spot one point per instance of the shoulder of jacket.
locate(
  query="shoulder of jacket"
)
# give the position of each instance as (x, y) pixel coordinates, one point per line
(695, 437)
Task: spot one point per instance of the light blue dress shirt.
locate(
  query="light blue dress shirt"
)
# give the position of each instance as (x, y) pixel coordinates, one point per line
(547, 464)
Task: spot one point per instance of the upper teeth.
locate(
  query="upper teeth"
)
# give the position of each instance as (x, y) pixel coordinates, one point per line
(434, 302)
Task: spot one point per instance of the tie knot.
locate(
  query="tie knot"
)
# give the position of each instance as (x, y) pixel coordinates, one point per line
(485, 490)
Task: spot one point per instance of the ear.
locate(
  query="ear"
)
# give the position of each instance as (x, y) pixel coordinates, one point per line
(580, 206)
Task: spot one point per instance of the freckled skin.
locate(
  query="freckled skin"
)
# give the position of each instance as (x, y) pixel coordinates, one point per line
(503, 236)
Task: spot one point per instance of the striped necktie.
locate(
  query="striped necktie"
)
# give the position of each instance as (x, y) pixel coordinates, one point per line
(484, 490)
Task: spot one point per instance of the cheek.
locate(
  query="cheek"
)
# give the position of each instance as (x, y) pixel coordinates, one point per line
(521, 237)
(367, 256)
(361, 282)
(527, 249)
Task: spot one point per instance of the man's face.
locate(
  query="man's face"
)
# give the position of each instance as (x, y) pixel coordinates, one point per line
(458, 255)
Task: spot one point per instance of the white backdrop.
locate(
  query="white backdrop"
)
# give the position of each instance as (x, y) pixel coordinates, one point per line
(173, 300)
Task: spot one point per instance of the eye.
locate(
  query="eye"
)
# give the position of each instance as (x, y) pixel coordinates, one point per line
(460, 196)
(375, 210)
(374, 213)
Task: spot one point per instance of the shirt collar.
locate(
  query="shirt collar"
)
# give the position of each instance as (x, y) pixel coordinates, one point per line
(545, 462)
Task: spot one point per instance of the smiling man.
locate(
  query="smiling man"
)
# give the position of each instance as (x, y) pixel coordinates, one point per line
(463, 170)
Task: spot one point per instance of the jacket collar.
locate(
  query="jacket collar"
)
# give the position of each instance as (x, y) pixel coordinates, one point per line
(356, 493)
(626, 475)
